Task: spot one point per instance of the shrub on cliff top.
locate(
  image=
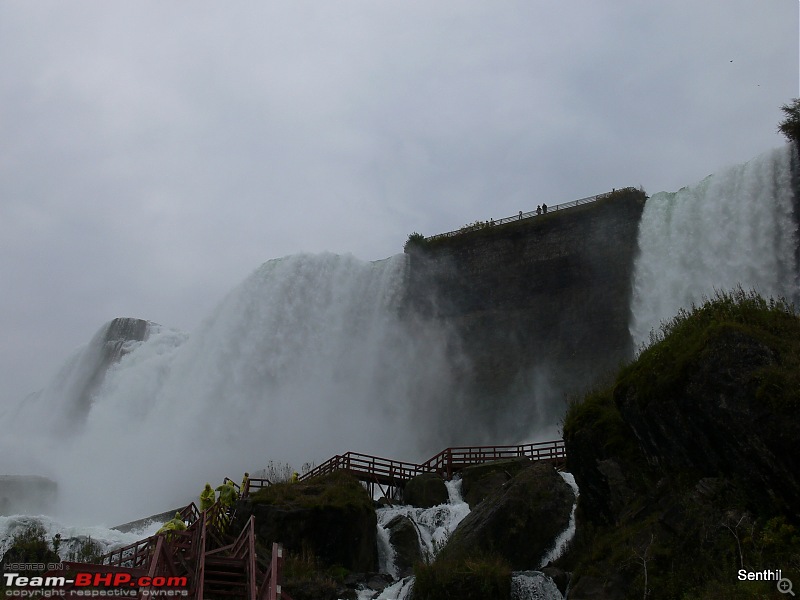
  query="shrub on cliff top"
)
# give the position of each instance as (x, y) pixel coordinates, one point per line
(415, 241)
(790, 126)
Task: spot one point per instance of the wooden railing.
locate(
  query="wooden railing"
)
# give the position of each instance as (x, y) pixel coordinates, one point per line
(365, 463)
(446, 463)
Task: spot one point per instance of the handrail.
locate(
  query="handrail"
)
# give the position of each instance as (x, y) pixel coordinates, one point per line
(255, 484)
(444, 463)
(185, 553)
(528, 215)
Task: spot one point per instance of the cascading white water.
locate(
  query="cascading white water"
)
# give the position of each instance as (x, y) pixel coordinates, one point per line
(305, 359)
(71, 537)
(434, 526)
(736, 227)
(561, 543)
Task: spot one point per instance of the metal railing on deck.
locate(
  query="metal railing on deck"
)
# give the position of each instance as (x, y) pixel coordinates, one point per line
(527, 215)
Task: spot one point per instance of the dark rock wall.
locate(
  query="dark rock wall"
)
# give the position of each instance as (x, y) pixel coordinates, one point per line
(108, 347)
(536, 309)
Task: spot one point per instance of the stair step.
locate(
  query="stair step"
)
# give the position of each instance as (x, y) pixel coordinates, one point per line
(226, 582)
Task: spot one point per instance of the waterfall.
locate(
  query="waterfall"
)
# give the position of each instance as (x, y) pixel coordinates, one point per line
(307, 358)
(734, 228)
(561, 543)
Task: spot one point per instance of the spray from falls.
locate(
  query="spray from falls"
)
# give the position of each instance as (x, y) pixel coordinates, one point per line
(307, 358)
(734, 228)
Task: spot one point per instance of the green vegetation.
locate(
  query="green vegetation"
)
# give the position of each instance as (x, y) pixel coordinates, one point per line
(415, 241)
(280, 472)
(790, 126)
(721, 331)
(335, 489)
(726, 376)
(470, 579)
(30, 545)
(307, 578)
(86, 551)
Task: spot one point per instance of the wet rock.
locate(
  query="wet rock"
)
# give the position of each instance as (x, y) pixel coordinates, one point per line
(479, 481)
(517, 522)
(425, 490)
(404, 538)
(332, 517)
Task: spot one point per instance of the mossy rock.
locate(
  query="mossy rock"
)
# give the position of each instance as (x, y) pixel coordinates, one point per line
(518, 522)
(331, 518)
(425, 491)
(478, 481)
(688, 461)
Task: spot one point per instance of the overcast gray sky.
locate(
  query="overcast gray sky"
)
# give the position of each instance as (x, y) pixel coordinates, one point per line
(153, 154)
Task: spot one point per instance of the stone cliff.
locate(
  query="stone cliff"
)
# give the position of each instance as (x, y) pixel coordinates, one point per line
(537, 304)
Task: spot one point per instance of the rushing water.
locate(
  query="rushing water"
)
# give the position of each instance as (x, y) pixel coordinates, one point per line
(734, 228)
(561, 543)
(72, 537)
(434, 526)
(307, 358)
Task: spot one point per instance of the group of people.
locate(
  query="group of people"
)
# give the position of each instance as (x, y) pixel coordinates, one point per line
(228, 494)
(541, 209)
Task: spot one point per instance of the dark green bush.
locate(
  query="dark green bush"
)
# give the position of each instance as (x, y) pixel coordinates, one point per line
(469, 579)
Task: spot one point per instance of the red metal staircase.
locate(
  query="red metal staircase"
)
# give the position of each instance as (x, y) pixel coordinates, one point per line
(201, 559)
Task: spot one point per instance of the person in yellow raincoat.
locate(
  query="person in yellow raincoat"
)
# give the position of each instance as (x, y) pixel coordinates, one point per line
(245, 482)
(227, 494)
(207, 497)
(175, 524)
(295, 477)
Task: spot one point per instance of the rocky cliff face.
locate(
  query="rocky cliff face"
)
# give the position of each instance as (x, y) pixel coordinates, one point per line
(110, 344)
(687, 465)
(537, 307)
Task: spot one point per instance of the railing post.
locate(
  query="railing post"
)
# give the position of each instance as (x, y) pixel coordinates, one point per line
(449, 464)
(276, 574)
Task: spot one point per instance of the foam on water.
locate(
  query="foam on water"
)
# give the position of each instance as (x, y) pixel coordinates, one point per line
(434, 526)
(71, 536)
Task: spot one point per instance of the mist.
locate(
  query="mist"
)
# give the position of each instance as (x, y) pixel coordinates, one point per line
(307, 358)
(734, 228)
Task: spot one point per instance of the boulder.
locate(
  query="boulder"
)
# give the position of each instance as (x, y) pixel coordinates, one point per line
(478, 481)
(404, 538)
(425, 490)
(331, 517)
(518, 522)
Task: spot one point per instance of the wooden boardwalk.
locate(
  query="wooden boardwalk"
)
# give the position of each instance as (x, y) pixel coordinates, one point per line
(391, 475)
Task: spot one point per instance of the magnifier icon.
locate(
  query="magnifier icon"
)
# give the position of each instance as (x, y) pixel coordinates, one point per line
(785, 586)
